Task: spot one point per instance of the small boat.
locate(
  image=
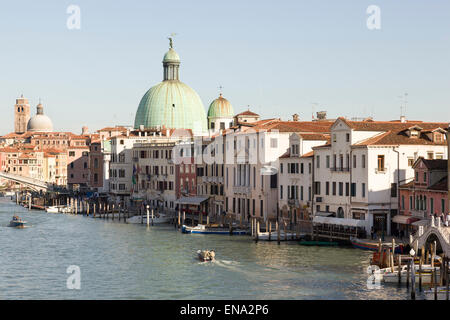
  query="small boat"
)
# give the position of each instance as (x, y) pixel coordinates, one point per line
(392, 277)
(206, 255)
(52, 209)
(373, 246)
(201, 229)
(17, 222)
(442, 293)
(318, 243)
(157, 219)
(288, 236)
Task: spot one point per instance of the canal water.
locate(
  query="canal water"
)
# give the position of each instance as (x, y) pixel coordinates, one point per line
(125, 261)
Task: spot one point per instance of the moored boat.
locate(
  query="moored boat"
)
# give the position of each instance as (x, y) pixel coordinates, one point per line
(441, 293)
(202, 229)
(373, 246)
(157, 219)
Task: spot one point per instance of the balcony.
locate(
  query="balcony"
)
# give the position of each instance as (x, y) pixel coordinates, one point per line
(293, 202)
(380, 170)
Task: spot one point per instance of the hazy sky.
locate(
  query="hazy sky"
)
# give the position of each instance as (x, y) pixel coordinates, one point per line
(279, 57)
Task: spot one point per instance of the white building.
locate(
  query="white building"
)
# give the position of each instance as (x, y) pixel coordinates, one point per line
(357, 174)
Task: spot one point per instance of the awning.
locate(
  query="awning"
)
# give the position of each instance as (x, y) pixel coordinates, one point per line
(340, 221)
(422, 222)
(403, 219)
(323, 214)
(191, 200)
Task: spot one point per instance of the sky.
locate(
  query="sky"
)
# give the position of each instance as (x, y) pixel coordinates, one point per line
(275, 57)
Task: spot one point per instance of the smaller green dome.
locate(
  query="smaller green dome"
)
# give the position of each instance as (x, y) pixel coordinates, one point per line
(220, 108)
(171, 56)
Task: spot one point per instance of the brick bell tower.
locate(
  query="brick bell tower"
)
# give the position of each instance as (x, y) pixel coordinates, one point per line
(21, 114)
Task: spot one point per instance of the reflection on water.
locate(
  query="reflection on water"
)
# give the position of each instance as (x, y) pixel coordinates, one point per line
(126, 261)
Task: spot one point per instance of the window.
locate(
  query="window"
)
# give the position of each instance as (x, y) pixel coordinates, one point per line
(430, 155)
(334, 137)
(347, 137)
(301, 193)
(403, 203)
(442, 205)
(301, 168)
(354, 161)
(318, 161)
(353, 189)
(363, 190)
(431, 205)
(281, 191)
(341, 188)
(347, 189)
(261, 208)
(410, 162)
(380, 162)
(212, 125)
(281, 168)
(328, 161)
(273, 143)
(417, 176)
(334, 188)
(327, 188)
(410, 202)
(317, 187)
(71, 153)
(363, 161)
(425, 177)
(393, 190)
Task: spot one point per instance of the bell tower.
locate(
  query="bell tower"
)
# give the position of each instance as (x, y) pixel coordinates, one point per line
(21, 114)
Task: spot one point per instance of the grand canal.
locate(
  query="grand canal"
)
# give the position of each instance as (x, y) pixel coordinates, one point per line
(124, 261)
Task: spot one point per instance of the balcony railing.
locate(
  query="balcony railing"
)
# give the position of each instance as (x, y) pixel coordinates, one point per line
(339, 169)
(241, 189)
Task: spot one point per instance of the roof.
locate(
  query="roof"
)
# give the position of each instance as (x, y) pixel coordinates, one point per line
(248, 113)
(441, 185)
(220, 108)
(434, 164)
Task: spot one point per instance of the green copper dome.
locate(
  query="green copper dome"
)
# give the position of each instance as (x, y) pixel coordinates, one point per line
(171, 104)
(221, 108)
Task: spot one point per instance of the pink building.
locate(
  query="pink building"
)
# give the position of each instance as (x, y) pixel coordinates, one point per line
(426, 195)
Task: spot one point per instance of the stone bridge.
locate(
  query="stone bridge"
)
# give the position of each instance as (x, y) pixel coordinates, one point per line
(34, 184)
(434, 231)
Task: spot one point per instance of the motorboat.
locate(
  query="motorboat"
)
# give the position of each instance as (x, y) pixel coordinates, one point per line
(157, 219)
(374, 246)
(427, 272)
(17, 222)
(202, 229)
(442, 293)
(206, 255)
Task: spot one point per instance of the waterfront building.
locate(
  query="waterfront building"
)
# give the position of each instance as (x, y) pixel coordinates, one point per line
(95, 165)
(21, 115)
(246, 117)
(296, 178)
(252, 164)
(425, 196)
(357, 174)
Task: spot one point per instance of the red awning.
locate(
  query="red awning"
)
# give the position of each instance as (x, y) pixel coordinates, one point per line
(404, 219)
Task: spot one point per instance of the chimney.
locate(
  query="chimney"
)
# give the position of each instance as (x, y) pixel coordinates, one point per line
(128, 132)
(84, 130)
(402, 119)
(295, 117)
(321, 115)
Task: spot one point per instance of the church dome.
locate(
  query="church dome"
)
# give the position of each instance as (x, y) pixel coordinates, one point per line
(171, 103)
(40, 122)
(220, 108)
